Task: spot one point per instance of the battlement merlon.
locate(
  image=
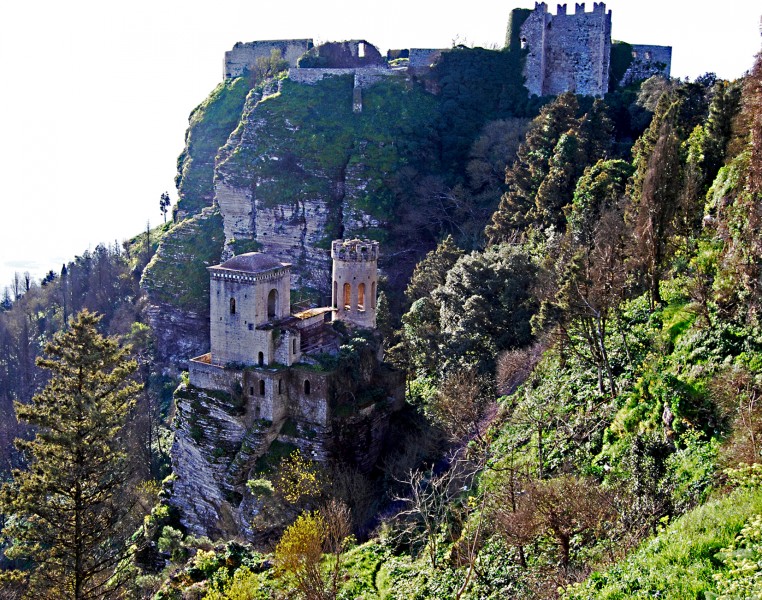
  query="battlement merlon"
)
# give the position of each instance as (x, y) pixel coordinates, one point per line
(354, 250)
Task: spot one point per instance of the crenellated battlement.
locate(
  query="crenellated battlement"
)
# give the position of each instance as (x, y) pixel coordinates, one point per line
(354, 250)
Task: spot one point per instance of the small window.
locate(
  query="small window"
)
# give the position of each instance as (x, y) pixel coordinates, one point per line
(293, 346)
(306, 387)
(280, 386)
(634, 53)
(261, 359)
(361, 50)
(347, 296)
(373, 295)
(336, 294)
(261, 387)
(648, 56)
(251, 391)
(232, 306)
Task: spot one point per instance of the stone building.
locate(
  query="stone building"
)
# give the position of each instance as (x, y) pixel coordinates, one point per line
(265, 381)
(572, 52)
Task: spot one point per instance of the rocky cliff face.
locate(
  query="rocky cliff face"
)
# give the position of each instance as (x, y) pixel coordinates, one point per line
(288, 170)
(302, 169)
(177, 286)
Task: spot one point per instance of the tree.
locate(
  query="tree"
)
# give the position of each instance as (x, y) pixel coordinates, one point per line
(69, 509)
(164, 203)
(300, 550)
(655, 195)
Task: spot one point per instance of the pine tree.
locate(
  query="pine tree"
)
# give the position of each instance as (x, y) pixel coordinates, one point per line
(69, 508)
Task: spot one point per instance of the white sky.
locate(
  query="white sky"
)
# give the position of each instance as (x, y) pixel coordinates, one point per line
(95, 95)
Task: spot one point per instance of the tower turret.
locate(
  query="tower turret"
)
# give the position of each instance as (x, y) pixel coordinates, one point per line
(355, 281)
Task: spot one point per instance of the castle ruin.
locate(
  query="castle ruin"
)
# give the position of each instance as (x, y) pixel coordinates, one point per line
(572, 52)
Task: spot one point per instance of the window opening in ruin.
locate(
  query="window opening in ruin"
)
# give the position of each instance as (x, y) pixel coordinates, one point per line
(293, 346)
(523, 43)
(634, 53)
(306, 387)
(361, 297)
(347, 296)
(257, 412)
(373, 295)
(261, 359)
(648, 56)
(280, 386)
(251, 390)
(261, 387)
(336, 294)
(272, 303)
(232, 306)
(361, 50)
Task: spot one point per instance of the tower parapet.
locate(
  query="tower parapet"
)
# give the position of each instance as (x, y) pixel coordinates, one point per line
(355, 281)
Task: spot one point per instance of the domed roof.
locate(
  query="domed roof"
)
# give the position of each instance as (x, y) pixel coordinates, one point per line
(253, 262)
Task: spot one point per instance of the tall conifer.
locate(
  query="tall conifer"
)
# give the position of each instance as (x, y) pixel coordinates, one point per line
(68, 509)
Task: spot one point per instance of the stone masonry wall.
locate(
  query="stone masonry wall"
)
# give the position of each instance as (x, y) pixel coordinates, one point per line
(646, 62)
(244, 56)
(567, 52)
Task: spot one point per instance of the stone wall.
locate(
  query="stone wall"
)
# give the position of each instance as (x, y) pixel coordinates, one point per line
(266, 391)
(646, 62)
(567, 52)
(205, 375)
(364, 76)
(309, 393)
(421, 59)
(244, 56)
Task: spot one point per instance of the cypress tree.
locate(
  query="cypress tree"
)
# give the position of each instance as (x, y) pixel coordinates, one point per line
(69, 508)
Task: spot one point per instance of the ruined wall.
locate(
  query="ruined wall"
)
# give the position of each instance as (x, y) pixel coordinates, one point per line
(567, 52)
(244, 56)
(364, 76)
(646, 62)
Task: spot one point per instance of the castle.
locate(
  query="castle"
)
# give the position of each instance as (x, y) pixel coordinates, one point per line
(564, 52)
(265, 383)
(258, 343)
(572, 52)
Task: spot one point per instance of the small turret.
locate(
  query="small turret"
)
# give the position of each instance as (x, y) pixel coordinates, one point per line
(355, 281)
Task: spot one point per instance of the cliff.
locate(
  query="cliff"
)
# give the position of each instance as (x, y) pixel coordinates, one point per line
(303, 168)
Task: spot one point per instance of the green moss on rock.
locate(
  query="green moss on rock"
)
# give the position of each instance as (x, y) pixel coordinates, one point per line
(177, 274)
(210, 124)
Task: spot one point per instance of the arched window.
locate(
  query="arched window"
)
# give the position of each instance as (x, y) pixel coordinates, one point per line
(347, 297)
(306, 387)
(361, 297)
(261, 359)
(272, 303)
(373, 295)
(280, 386)
(336, 294)
(232, 306)
(261, 387)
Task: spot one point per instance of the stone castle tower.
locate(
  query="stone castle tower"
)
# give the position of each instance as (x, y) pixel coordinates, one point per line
(567, 52)
(355, 281)
(572, 52)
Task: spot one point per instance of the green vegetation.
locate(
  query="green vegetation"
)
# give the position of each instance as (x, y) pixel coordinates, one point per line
(71, 509)
(177, 274)
(682, 560)
(210, 124)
